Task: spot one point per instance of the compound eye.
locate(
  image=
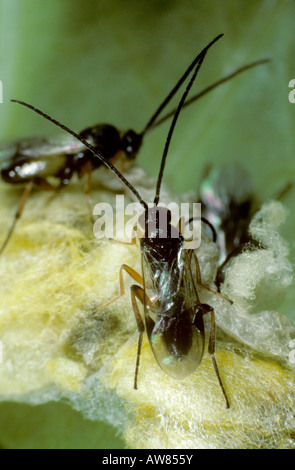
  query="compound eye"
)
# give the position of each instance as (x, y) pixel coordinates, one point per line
(131, 143)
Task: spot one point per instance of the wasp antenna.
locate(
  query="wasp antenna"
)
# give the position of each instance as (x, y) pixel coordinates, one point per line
(197, 63)
(205, 221)
(206, 90)
(89, 146)
(174, 90)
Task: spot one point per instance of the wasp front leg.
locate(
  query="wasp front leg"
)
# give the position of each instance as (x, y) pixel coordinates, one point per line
(129, 243)
(132, 273)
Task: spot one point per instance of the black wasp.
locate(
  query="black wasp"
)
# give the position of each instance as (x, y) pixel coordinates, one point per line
(173, 312)
(228, 203)
(33, 161)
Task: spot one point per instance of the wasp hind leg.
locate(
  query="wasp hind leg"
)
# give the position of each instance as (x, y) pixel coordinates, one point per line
(211, 347)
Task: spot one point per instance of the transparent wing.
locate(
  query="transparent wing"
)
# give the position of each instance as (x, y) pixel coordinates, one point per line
(221, 187)
(38, 147)
(175, 341)
(227, 202)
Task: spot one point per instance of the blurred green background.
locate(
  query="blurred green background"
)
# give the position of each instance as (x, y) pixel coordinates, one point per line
(93, 61)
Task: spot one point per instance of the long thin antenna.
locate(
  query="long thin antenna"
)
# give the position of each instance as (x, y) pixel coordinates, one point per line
(172, 93)
(89, 146)
(206, 90)
(198, 61)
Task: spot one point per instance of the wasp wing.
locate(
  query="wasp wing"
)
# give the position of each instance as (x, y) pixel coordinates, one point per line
(25, 159)
(36, 147)
(176, 342)
(227, 202)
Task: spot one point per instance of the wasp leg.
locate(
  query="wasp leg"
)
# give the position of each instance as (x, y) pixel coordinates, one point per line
(283, 191)
(199, 281)
(119, 161)
(87, 191)
(132, 273)
(220, 271)
(136, 233)
(18, 213)
(133, 239)
(181, 224)
(211, 347)
(138, 292)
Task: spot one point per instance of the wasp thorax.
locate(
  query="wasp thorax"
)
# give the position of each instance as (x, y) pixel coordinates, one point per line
(156, 223)
(105, 139)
